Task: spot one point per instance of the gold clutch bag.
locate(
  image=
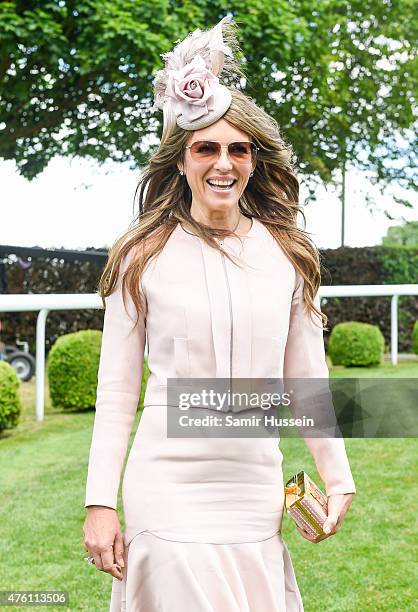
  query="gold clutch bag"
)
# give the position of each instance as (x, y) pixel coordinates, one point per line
(306, 503)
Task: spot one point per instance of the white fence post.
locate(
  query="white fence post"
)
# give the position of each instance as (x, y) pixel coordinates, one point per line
(40, 363)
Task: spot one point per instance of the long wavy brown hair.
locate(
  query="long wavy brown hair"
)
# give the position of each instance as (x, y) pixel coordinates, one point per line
(164, 199)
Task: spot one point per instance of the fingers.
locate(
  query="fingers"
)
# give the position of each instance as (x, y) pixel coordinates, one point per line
(338, 505)
(108, 561)
(305, 534)
(310, 537)
(109, 565)
(97, 561)
(103, 558)
(330, 527)
(105, 562)
(118, 548)
(331, 524)
(103, 540)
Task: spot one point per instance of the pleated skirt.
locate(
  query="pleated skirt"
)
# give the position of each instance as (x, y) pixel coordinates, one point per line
(169, 576)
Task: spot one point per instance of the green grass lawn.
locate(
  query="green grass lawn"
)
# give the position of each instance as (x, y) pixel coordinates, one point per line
(368, 565)
(404, 369)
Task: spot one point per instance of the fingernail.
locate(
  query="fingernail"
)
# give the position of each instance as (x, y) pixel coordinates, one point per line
(327, 529)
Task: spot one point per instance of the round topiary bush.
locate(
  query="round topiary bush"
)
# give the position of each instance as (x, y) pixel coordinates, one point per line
(356, 344)
(73, 364)
(10, 404)
(415, 338)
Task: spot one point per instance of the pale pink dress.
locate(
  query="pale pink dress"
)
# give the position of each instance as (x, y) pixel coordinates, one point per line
(203, 515)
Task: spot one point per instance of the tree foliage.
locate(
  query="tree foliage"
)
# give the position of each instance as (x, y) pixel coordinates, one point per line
(338, 76)
(402, 235)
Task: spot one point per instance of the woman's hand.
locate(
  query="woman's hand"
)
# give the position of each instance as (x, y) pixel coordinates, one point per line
(338, 505)
(103, 539)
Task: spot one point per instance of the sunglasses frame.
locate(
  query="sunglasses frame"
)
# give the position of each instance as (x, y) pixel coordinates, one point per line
(255, 149)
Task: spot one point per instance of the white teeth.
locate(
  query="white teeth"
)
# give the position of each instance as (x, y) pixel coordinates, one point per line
(221, 183)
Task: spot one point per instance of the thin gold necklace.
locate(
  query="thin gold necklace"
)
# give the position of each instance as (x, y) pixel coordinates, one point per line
(221, 242)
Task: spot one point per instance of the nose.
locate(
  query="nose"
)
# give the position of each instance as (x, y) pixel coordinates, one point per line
(223, 162)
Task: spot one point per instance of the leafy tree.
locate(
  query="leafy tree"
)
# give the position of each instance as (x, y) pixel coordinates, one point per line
(406, 235)
(339, 76)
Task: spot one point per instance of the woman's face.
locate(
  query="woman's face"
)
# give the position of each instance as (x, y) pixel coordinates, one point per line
(205, 197)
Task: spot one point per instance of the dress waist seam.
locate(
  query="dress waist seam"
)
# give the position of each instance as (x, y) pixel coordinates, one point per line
(149, 532)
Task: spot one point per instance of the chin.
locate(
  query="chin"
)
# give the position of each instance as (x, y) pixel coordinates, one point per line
(222, 207)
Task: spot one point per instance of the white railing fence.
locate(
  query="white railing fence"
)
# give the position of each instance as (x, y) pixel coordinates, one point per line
(45, 303)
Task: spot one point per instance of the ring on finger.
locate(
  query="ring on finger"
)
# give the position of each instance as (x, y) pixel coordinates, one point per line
(90, 560)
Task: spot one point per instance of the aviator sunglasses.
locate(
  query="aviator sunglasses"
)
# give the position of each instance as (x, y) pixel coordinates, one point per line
(210, 150)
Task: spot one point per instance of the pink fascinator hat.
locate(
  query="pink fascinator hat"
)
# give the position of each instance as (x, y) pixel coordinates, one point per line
(188, 90)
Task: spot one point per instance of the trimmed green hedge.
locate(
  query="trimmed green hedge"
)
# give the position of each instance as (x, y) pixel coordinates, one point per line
(377, 265)
(356, 344)
(415, 338)
(10, 404)
(73, 365)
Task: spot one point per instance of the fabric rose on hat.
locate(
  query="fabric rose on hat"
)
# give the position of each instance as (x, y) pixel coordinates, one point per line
(192, 88)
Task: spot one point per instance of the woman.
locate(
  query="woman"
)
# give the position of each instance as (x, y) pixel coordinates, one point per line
(219, 279)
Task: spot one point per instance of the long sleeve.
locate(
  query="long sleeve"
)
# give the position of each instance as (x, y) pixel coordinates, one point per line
(118, 390)
(305, 358)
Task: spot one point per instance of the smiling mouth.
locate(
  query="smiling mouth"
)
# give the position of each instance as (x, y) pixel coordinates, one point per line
(221, 187)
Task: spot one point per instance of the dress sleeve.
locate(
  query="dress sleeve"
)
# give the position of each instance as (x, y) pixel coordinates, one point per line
(118, 391)
(305, 358)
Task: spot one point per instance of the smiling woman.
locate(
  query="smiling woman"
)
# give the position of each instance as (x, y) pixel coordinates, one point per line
(220, 281)
(207, 151)
(218, 164)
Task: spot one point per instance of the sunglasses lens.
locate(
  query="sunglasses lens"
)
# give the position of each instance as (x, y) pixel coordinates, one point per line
(241, 151)
(206, 150)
